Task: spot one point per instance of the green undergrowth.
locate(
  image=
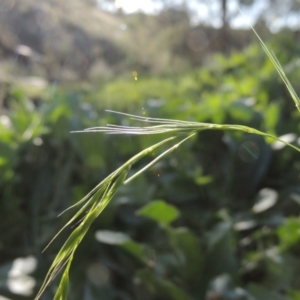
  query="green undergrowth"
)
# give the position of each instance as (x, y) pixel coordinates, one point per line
(216, 217)
(90, 207)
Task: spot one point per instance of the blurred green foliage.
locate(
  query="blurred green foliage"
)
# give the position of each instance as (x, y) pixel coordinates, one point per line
(217, 219)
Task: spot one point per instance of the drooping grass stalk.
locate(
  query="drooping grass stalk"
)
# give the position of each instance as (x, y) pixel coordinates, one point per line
(280, 71)
(90, 208)
(94, 202)
(175, 126)
(278, 68)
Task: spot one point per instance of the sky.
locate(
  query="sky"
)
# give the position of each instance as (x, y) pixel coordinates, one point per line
(208, 13)
(203, 11)
(130, 6)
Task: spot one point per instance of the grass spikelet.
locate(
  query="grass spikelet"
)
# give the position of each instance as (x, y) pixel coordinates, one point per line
(91, 207)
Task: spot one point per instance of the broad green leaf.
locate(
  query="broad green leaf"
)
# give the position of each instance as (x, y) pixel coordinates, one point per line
(289, 233)
(267, 198)
(261, 293)
(120, 239)
(111, 237)
(294, 295)
(189, 250)
(220, 257)
(160, 211)
(135, 249)
(163, 287)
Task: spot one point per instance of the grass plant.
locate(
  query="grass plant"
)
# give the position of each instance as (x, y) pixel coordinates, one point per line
(91, 206)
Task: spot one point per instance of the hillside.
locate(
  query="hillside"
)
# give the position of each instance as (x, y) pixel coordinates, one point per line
(74, 40)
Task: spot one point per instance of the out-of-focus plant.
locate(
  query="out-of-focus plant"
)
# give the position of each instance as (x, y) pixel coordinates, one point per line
(94, 202)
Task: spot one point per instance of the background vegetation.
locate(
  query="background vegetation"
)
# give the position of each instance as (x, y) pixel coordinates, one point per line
(217, 219)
